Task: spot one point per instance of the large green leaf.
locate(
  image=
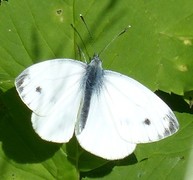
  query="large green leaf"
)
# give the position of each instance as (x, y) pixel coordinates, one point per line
(156, 50)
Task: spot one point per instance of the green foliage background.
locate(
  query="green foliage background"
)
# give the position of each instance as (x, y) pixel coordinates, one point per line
(157, 51)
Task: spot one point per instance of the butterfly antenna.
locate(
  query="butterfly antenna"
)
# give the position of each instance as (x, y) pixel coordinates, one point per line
(81, 40)
(82, 18)
(89, 32)
(122, 32)
(81, 53)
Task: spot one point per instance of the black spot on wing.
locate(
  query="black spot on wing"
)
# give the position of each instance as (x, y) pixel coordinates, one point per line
(147, 122)
(39, 89)
(166, 132)
(21, 79)
(172, 126)
(19, 82)
(20, 89)
(172, 122)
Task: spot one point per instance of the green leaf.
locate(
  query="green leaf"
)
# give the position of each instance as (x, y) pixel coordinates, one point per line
(156, 50)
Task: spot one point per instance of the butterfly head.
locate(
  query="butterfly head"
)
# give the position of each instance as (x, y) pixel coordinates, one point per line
(95, 61)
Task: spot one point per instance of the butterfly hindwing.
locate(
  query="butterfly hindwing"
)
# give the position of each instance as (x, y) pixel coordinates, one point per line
(58, 126)
(100, 135)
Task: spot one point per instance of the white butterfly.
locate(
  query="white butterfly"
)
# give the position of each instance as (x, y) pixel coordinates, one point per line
(109, 112)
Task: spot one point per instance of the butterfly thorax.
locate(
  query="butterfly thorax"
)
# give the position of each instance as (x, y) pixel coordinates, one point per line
(94, 75)
(92, 82)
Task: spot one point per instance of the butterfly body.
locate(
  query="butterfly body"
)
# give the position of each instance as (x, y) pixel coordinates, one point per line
(92, 81)
(108, 112)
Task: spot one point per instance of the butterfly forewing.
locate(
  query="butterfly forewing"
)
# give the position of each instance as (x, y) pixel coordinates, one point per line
(137, 113)
(42, 85)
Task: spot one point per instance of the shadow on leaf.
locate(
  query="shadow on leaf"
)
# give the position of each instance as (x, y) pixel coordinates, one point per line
(19, 141)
